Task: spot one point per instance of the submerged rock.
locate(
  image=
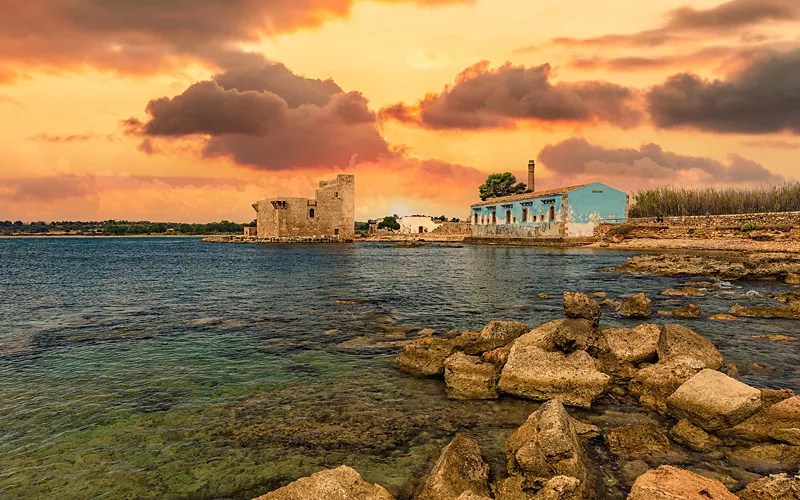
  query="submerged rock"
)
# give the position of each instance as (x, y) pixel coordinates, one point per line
(767, 312)
(460, 468)
(688, 311)
(655, 383)
(767, 457)
(425, 357)
(611, 305)
(546, 446)
(467, 377)
(638, 306)
(714, 401)
(779, 422)
(580, 306)
(693, 437)
(677, 341)
(342, 483)
(541, 375)
(576, 335)
(641, 441)
(723, 317)
(671, 483)
(775, 487)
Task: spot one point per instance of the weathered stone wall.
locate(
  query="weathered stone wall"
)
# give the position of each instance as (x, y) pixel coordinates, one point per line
(538, 230)
(331, 214)
(760, 219)
(454, 228)
(665, 232)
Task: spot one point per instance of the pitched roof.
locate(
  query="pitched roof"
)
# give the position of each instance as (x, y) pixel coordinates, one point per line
(530, 196)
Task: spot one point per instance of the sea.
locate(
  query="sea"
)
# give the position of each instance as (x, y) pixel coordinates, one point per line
(171, 368)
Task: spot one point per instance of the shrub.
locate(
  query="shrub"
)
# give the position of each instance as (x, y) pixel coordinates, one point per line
(747, 227)
(623, 229)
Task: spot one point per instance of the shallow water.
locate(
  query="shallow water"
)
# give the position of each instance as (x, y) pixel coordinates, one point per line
(172, 368)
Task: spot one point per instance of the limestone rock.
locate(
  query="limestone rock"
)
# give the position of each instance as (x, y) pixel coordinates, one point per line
(771, 397)
(688, 311)
(425, 357)
(469, 378)
(780, 422)
(600, 295)
(460, 468)
(768, 312)
(671, 483)
(560, 488)
(693, 437)
(766, 457)
(714, 401)
(497, 357)
(655, 383)
(512, 488)
(640, 441)
(637, 306)
(342, 483)
(579, 306)
(576, 335)
(630, 345)
(495, 334)
(792, 279)
(775, 487)
(611, 305)
(542, 337)
(678, 341)
(546, 446)
(723, 317)
(468, 495)
(536, 374)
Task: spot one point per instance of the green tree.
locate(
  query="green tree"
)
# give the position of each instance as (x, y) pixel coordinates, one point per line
(389, 223)
(498, 185)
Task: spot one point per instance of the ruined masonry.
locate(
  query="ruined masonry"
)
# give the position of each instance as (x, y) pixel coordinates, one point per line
(331, 214)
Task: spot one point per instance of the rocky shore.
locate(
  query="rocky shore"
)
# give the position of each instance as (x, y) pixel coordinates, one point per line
(698, 432)
(727, 266)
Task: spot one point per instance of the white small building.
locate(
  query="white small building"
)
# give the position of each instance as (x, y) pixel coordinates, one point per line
(417, 224)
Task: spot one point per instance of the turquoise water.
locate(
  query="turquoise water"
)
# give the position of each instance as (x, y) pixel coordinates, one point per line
(173, 368)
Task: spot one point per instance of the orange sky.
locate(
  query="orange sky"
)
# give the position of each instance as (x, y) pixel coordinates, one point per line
(193, 110)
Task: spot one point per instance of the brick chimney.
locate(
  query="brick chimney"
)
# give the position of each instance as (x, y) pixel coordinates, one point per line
(531, 175)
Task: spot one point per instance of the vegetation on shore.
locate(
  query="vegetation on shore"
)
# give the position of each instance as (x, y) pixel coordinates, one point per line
(118, 228)
(673, 201)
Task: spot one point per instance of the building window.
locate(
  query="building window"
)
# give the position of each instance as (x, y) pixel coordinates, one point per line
(336, 194)
(336, 232)
(524, 215)
(508, 216)
(421, 229)
(552, 211)
(475, 219)
(311, 212)
(541, 217)
(494, 217)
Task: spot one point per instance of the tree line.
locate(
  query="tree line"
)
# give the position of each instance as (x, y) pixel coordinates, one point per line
(120, 228)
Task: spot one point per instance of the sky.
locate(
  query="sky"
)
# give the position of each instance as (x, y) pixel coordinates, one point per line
(192, 110)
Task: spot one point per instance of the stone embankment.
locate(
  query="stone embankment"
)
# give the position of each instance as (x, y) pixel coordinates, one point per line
(727, 266)
(298, 239)
(570, 364)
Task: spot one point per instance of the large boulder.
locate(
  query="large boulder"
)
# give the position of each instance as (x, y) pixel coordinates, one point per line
(576, 335)
(714, 401)
(677, 341)
(425, 357)
(467, 377)
(542, 337)
(619, 350)
(495, 334)
(342, 483)
(638, 306)
(770, 397)
(693, 437)
(655, 383)
(460, 468)
(580, 306)
(671, 483)
(546, 446)
(557, 488)
(774, 487)
(533, 373)
(639, 441)
(780, 422)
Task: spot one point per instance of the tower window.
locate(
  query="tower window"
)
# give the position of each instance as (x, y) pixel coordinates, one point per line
(311, 213)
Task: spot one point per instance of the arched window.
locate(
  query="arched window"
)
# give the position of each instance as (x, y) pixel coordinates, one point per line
(552, 215)
(524, 215)
(311, 212)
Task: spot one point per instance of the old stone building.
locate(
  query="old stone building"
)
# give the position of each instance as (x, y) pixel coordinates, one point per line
(331, 214)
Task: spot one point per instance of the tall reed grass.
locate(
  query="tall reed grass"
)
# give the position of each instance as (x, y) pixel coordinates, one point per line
(673, 201)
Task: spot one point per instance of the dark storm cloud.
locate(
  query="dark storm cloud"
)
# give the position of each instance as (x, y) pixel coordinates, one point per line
(136, 36)
(493, 98)
(685, 22)
(574, 157)
(267, 117)
(764, 97)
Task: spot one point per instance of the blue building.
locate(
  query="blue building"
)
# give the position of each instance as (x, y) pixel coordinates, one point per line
(569, 212)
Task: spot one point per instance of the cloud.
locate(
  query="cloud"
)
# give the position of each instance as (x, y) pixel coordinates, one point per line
(484, 98)
(762, 97)
(704, 55)
(265, 116)
(648, 165)
(63, 138)
(146, 37)
(772, 144)
(687, 22)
